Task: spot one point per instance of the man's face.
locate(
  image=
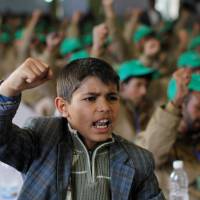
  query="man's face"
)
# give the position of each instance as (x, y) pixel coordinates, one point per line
(191, 113)
(135, 90)
(151, 47)
(93, 110)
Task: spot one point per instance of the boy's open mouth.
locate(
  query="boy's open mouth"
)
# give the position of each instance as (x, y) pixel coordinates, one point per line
(102, 123)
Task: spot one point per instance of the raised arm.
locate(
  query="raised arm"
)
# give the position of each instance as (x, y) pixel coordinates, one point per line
(161, 132)
(115, 32)
(73, 29)
(27, 36)
(19, 146)
(100, 33)
(50, 53)
(132, 24)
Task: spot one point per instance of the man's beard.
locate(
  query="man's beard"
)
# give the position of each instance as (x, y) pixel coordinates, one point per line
(193, 133)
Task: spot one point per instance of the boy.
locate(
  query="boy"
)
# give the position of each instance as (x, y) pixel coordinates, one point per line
(75, 156)
(136, 107)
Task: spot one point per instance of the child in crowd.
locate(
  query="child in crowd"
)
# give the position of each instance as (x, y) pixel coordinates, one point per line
(76, 156)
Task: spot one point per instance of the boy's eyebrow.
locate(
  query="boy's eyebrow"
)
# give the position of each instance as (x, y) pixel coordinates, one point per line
(114, 93)
(97, 93)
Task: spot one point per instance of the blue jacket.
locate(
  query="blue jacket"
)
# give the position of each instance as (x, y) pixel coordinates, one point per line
(42, 151)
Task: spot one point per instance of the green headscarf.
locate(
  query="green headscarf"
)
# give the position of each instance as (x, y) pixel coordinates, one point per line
(134, 68)
(195, 42)
(142, 32)
(189, 59)
(4, 38)
(79, 54)
(69, 45)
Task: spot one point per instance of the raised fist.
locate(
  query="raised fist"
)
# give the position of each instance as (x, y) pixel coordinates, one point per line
(29, 74)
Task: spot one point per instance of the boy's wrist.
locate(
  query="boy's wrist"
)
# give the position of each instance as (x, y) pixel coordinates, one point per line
(9, 99)
(7, 91)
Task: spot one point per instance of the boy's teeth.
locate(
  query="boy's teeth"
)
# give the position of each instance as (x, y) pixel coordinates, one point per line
(101, 126)
(104, 123)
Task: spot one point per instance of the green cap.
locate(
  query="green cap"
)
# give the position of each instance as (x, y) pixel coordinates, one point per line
(69, 45)
(195, 42)
(41, 37)
(167, 26)
(19, 34)
(193, 85)
(4, 38)
(134, 68)
(142, 32)
(41, 27)
(87, 39)
(79, 54)
(189, 59)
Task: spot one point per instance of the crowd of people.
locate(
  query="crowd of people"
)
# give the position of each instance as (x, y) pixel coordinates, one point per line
(158, 64)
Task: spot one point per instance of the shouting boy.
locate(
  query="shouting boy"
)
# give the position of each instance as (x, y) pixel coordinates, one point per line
(75, 156)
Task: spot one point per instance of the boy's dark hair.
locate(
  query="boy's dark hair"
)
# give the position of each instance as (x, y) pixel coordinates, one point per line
(71, 76)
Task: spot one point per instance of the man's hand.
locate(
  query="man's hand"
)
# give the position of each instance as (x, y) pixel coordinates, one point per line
(76, 17)
(100, 33)
(36, 14)
(29, 74)
(53, 40)
(107, 3)
(136, 12)
(182, 77)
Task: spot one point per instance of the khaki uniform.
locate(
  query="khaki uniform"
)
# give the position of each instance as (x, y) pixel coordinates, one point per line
(162, 139)
(157, 90)
(125, 125)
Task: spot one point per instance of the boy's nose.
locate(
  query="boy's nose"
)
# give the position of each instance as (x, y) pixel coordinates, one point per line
(103, 106)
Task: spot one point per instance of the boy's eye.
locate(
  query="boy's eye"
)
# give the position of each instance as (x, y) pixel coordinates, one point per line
(113, 98)
(92, 98)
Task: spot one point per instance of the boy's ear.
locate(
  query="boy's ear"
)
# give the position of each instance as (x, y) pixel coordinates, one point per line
(62, 106)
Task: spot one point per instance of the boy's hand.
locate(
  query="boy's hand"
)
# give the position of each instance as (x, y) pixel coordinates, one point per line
(29, 74)
(182, 77)
(100, 33)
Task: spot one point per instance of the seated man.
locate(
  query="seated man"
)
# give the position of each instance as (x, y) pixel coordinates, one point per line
(136, 107)
(173, 131)
(75, 156)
